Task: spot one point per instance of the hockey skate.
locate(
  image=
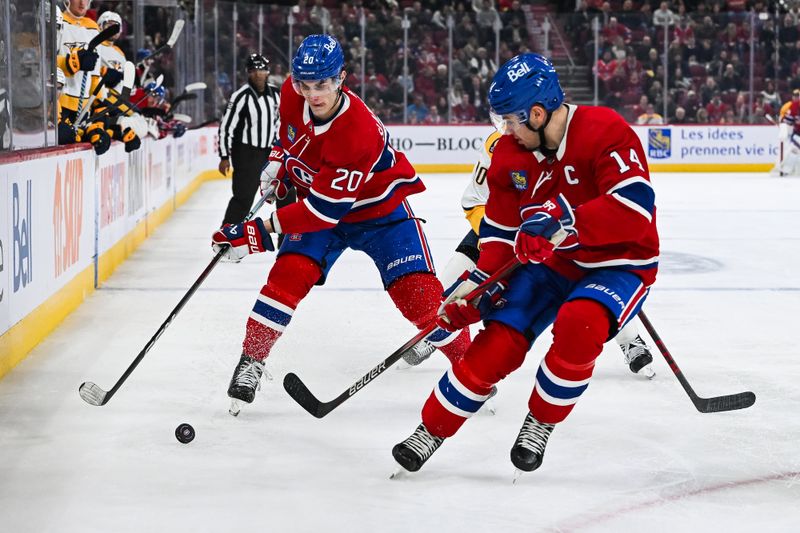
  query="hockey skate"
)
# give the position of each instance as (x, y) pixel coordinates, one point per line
(638, 357)
(528, 450)
(245, 382)
(416, 354)
(412, 453)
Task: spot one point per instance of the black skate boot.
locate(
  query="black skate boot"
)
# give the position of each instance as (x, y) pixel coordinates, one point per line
(528, 450)
(638, 356)
(246, 379)
(412, 453)
(418, 353)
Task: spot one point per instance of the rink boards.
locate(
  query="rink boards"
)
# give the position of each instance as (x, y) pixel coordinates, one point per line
(71, 217)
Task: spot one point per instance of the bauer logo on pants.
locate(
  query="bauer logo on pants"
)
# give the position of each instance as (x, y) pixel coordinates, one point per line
(659, 143)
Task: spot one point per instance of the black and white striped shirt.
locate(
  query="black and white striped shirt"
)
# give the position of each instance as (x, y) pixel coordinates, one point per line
(250, 119)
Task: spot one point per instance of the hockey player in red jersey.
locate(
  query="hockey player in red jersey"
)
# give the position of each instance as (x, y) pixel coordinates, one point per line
(353, 188)
(570, 196)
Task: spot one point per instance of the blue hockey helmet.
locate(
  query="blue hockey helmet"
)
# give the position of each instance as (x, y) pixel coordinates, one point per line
(319, 57)
(522, 82)
(142, 54)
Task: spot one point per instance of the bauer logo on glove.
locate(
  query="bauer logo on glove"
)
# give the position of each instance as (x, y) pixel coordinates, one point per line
(238, 240)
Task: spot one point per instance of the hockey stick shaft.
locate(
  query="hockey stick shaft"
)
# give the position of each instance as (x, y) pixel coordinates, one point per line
(303, 396)
(716, 404)
(94, 395)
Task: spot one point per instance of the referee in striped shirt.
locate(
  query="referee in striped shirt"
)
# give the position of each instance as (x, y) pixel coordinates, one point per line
(246, 134)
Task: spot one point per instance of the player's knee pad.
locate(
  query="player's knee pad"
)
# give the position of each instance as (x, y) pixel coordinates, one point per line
(495, 352)
(291, 278)
(417, 296)
(579, 332)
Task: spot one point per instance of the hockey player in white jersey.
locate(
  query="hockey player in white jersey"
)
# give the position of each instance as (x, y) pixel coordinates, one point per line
(635, 350)
(112, 58)
(81, 66)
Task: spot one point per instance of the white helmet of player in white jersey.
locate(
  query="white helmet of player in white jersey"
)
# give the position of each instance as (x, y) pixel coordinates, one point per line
(109, 17)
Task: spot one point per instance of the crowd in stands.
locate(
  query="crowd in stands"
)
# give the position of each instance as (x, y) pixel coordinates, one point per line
(709, 51)
(429, 100)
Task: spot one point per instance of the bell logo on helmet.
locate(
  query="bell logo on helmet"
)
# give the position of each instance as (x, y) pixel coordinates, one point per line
(514, 75)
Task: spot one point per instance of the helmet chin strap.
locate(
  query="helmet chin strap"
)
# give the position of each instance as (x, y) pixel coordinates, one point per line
(544, 150)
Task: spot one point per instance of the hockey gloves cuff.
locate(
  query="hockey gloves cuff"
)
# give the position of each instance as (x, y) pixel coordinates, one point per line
(239, 240)
(546, 227)
(273, 183)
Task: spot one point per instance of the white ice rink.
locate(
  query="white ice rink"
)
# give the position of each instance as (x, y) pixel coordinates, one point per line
(634, 456)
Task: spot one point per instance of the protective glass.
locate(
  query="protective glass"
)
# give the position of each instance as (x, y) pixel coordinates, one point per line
(310, 88)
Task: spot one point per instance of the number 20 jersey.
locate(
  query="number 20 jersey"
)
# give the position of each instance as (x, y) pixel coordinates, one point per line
(344, 169)
(601, 169)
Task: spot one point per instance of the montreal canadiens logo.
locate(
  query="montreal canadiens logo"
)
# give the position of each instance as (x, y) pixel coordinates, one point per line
(300, 172)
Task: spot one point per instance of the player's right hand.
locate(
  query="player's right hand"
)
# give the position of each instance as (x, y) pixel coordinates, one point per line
(239, 240)
(457, 313)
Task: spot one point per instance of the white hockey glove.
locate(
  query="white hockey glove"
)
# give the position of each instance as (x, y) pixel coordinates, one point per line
(272, 176)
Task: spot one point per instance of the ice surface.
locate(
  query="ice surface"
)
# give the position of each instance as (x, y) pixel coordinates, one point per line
(633, 456)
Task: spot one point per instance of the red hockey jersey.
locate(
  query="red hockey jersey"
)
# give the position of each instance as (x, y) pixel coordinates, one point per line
(601, 169)
(344, 169)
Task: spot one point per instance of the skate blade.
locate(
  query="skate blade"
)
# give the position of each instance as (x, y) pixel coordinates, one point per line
(517, 474)
(235, 408)
(647, 371)
(491, 406)
(402, 365)
(398, 473)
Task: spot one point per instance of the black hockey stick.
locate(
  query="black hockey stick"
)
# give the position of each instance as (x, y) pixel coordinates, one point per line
(177, 28)
(94, 395)
(717, 404)
(300, 393)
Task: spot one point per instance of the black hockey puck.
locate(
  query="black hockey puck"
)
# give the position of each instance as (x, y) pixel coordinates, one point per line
(184, 433)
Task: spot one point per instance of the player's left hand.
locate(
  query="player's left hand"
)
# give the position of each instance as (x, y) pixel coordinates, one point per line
(456, 313)
(546, 228)
(239, 240)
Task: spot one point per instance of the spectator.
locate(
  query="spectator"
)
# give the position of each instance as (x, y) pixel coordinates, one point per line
(702, 116)
(716, 108)
(485, 66)
(464, 112)
(770, 95)
(650, 116)
(730, 80)
(417, 110)
(663, 15)
(486, 18)
(679, 117)
(434, 117)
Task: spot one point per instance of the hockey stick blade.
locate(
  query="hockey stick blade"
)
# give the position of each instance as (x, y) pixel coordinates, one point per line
(295, 387)
(176, 32)
(92, 394)
(731, 402)
(717, 404)
(103, 36)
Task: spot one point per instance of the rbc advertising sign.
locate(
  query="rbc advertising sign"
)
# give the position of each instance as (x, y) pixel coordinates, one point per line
(659, 143)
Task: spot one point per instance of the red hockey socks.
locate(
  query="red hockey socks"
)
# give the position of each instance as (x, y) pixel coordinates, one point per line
(580, 329)
(289, 281)
(417, 296)
(496, 351)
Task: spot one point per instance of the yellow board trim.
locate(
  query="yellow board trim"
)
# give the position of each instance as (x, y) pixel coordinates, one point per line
(22, 337)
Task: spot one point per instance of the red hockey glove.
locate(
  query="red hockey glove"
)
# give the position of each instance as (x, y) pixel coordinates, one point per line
(239, 240)
(455, 313)
(546, 227)
(273, 176)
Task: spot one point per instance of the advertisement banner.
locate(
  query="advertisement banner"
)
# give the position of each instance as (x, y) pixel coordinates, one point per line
(5, 261)
(690, 147)
(156, 175)
(709, 144)
(51, 203)
(439, 145)
(112, 175)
